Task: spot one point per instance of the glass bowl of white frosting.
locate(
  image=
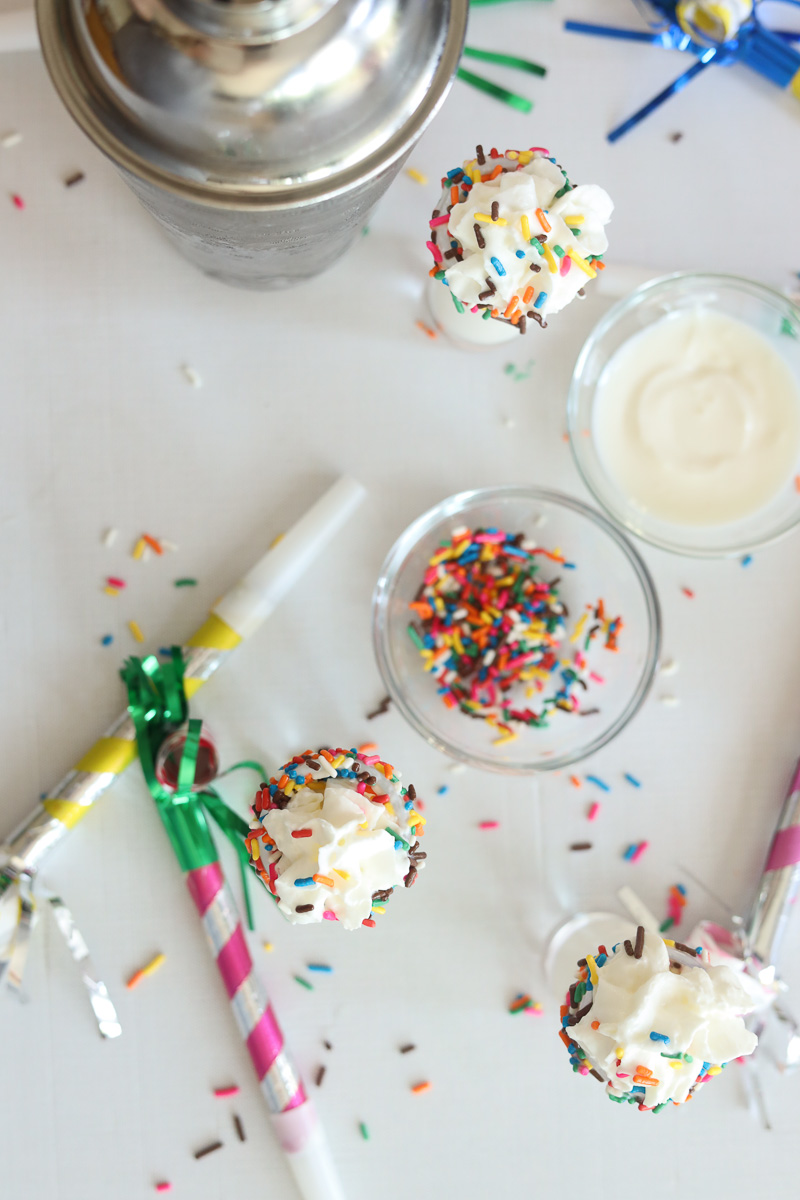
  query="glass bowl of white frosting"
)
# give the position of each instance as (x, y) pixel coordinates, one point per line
(608, 629)
(684, 414)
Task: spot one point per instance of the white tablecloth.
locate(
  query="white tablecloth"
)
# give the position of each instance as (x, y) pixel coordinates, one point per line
(100, 428)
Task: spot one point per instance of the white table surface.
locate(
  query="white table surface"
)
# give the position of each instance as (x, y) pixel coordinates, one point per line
(100, 428)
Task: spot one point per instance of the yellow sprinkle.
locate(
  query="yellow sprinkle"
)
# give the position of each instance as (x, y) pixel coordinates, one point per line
(525, 226)
(714, 1070)
(268, 946)
(668, 942)
(390, 810)
(111, 591)
(619, 1052)
(512, 154)
(378, 908)
(506, 737)
(676, 1066)
(415, 819)
(255, 849)
(549, 258)
(525, 157)
(139, 548)
(586, 267)
(487, 220)
(576, 219)
(417, 176)
(592, 965)
(154, 964)
(275, 541)
(579, 627)
(136, 631)
(343, 874)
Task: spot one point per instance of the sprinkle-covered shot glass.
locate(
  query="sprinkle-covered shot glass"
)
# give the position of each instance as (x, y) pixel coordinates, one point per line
(512, 241)
(332, 836)
(653, 1021)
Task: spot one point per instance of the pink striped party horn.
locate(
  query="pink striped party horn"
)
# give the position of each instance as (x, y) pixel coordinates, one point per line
(780, 881)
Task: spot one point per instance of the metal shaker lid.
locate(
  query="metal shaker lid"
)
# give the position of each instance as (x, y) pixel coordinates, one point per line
(253, 103)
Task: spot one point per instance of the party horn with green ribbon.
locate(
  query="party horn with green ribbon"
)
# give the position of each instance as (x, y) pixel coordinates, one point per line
(234, 618)
(157, 703)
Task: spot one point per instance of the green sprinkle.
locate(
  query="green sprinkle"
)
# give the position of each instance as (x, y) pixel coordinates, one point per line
(505, 60)
(185, 583)
(509, 369)
(788, 328)
(364, 1131)
(537, 245)
(457, 302)
(487, 312)
(493, 89)
(667, 924)
(416, 639)
(575, 232)
(616, 1099)
(365, 231)
(559, 251)
(304, 983)
(563, 191)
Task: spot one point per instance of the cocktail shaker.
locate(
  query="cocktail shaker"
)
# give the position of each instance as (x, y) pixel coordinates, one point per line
(259, 134)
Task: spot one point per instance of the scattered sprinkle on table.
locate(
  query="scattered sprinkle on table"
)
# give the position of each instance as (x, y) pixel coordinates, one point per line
(635, 851)
(417, 176)
(231, 1089)
(327, 1044)
(426, 329)
(11, 139)
(136, 631)
(670, 701)
(164, 1186)
(149, 969)
(408, 1047)
(688, 592)
(368, 748)
(110, 536)
(594, 809)
(443, 790)
(17, 201)
(323, 967)
(521, 1002)
(239, 1127)
(598, 783)
(581, 846)
(303, 982)
(186, 582)
(488, 824)
(115, 582)
(676, 137)
(382, 708)
(797, 483)
(268, 946)
(320, 1075)
(363, 1130)
(74, 178)
(748, 558)
(632, 780)
(575, 781)
(209, 1149)
(669, 666)
(192, 377)
(106, 639)
(419, 1088)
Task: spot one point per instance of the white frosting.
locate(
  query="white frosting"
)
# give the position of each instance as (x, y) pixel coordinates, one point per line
(520, 193)
(697, 419)
(699, 1010)
(350, 845)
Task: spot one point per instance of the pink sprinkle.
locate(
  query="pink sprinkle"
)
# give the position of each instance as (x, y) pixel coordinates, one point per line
(17, 201)
(535, 1010)
(112, 581)
(566, 263)
(622, 1075)
(163, 1186)
(639, 851)
(329, 916)
(371, 759)
(488, 824)
(543, 149)
(439, 221)
(233, 1090)
(584, 1070)
(490, 538)
(597, 678)
(593, 811)
(474, 308)
(362, 787)
(435, 251)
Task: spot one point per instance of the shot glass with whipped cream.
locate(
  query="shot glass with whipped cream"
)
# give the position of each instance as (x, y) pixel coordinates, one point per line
(513, 241)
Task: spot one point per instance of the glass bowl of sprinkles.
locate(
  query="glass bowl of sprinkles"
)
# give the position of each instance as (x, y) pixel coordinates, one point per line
(516, 629)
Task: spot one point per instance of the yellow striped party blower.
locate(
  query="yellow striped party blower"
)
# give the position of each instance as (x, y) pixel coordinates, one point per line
(235, 617)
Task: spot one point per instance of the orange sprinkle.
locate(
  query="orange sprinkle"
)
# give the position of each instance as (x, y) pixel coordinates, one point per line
(323, 879)
(153, 543)
(421, 1087)
(492, 174)
(543, 221)
(515, 316)
(426, 329)
(797, 483)
(327, 754)
(511, 306)
(282, 782)
(368, 748)
(598, 265)
(562, 1034)
(595, 1024)
(454, 194)
(528, 295)
(575, 781)
(495, 312)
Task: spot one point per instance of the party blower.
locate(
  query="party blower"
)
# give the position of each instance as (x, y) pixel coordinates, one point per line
(233, 619)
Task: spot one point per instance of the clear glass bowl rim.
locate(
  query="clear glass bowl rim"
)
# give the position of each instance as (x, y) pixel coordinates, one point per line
(454, 506)
(702, 279)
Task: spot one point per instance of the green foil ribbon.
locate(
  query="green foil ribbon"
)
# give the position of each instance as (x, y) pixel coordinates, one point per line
(158, 706)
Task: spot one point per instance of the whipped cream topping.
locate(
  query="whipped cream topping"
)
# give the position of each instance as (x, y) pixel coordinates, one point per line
(654, 1028)
(333, 834)
(530, 254)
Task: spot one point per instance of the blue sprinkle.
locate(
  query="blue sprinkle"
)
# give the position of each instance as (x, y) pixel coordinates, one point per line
(659, 1037)
(699, 950)
(307, 882)
(598, 783)
(107, 640)
(632, 780)
(568, 566)
(540, 299)
(408, 804)
(629, 853)
(681, 888)
(748, 558)
(520, 253)
(601, 960)
(638, 1089)
(319, 967)
(498, 266)
(440, 791)
(300, 779)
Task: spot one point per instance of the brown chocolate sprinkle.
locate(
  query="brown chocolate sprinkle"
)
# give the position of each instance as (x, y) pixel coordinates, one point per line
(380, 710)
(209, 1149)
(639, 947)
(581, 292)
(597, 1075)
(582, 962)
(484, 296)
(304, 908)
(411, 876)
(455, 252)
(675, 137)
(581, 845)
(327, 1044)
(535, 267)
(479, 238)
(495, 210)
(522, 324)
(411, 792)
(686, 949)
(481, 157)
(71, 180)
(588, 712)
(628, 947)
(320, 1075)
(490, 286)
(538, 318)
(239, 1127)
(408, 1048)
(312, 762)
